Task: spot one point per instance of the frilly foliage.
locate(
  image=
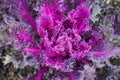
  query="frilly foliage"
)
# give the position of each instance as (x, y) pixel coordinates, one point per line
(62, 39)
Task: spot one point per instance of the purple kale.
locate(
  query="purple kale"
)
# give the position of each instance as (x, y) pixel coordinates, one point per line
(65, 36)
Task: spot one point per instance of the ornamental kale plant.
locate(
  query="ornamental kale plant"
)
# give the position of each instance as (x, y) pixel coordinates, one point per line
(61, 37)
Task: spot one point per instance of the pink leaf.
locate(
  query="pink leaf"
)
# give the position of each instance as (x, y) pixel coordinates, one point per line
(34, 51)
